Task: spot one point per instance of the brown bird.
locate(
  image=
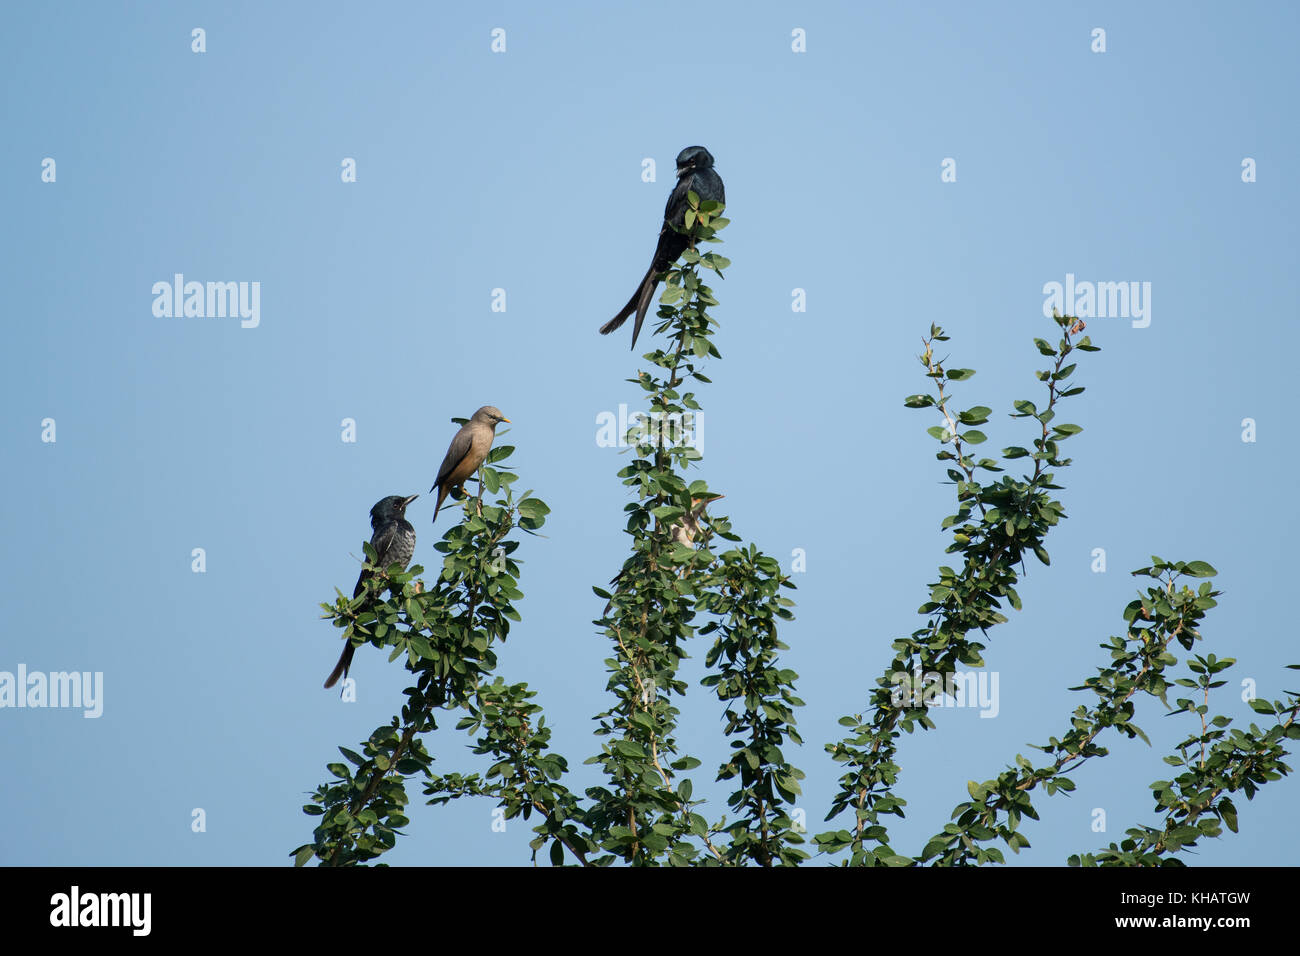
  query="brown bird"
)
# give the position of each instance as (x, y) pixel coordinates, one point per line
(684, 531)
(467, 451)
(687, 527)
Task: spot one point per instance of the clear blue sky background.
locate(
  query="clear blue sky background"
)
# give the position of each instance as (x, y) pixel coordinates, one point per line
(522, 171)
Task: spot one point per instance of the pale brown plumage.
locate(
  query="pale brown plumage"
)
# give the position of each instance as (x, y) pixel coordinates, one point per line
(467, 451)
(687, 527)
(683, 531)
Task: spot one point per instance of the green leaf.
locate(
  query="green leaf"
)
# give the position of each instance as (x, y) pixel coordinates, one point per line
(421, 647)
(630, 748)
(533, 508)
(935, 847)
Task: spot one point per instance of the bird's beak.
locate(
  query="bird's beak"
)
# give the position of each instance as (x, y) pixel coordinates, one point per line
(409, 500)
(683, 170)
(507, 421)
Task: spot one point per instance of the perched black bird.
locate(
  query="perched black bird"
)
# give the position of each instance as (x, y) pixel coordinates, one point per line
(394, 543)
(695, 173)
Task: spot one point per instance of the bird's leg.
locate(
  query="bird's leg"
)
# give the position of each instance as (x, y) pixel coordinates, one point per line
(480, 493)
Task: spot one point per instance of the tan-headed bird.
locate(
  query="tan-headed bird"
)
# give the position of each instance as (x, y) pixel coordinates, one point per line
(684, 531)
(687, 528)
(467, 451)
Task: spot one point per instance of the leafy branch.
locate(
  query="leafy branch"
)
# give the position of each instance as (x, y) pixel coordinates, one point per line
(996, 523)
(447, 632)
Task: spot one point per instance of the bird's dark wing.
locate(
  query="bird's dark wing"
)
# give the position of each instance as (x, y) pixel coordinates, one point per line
(672, 243)
(380, 541)
(708, 185)
(459, 448)
(668, 248)
(383, 542)
(675, 208)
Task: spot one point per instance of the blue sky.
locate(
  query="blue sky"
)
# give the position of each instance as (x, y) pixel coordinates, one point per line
(521, 171)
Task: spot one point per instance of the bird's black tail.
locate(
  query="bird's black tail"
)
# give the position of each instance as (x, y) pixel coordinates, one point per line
(623, 313)
(639, 303)
(342, 667)
(643, 304)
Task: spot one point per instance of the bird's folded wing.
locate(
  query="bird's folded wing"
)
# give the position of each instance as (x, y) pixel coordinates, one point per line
(460, 446)
(675, 208)
(382, 542)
